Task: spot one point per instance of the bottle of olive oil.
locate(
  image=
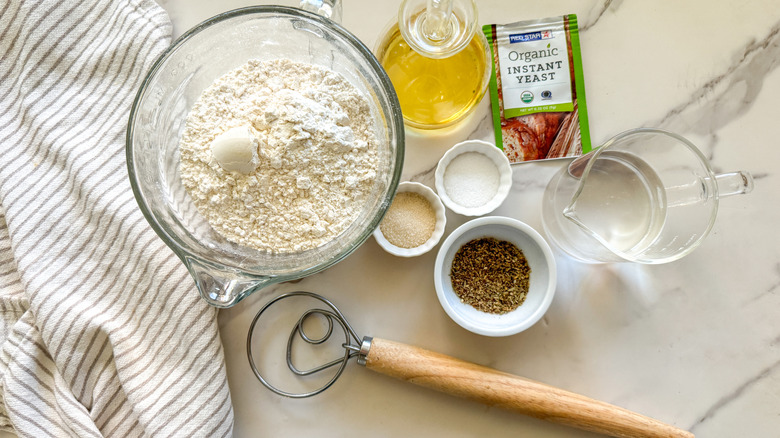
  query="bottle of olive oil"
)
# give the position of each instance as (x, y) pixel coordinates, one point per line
(437, 61)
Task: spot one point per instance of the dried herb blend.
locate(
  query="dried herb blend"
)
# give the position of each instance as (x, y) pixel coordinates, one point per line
(491, 275)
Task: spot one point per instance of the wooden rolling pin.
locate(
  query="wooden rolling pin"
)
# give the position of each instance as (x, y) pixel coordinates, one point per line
(494, 388)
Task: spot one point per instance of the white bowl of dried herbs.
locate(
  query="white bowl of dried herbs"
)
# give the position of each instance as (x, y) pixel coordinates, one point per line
(495, 276)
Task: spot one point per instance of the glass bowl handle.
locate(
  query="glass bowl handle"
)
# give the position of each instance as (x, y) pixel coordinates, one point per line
(327, 8)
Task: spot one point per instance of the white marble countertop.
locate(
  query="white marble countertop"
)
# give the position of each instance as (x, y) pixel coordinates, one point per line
(694, 343)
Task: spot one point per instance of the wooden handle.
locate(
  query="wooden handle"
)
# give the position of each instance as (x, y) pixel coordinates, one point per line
(494, 388)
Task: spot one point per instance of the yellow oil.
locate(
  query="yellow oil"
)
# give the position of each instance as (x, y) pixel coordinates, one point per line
(435, 93)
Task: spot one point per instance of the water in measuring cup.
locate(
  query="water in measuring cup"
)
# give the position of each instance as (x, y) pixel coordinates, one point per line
(623, 202)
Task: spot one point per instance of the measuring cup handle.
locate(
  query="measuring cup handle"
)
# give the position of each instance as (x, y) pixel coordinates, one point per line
(734, 183)
(494, 388)
(327, 8)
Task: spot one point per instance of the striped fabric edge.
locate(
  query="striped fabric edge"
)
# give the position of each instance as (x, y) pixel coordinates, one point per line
(105, 330)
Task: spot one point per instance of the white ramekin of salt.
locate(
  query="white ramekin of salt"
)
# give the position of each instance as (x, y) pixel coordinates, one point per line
(473, 178)
(414, 223)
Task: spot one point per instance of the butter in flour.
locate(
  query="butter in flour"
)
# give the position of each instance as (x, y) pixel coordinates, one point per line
(316, 155)
(236, 150)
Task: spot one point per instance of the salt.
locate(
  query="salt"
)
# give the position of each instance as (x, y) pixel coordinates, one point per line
(471, 179)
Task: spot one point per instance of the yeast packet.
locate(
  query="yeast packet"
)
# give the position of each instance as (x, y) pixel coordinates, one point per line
(537, 90)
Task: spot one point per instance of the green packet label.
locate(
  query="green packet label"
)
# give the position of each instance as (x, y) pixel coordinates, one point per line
(537, 90)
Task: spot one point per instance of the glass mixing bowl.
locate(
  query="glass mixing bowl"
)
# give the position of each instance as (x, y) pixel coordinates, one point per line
(225, 272)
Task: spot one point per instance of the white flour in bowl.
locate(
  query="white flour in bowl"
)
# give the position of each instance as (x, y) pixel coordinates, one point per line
(316, 162)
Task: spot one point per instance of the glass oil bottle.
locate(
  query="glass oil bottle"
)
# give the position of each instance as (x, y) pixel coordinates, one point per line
(438, 61)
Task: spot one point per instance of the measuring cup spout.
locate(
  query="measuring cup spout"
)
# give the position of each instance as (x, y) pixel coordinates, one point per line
(577, 166)
(570, 213)
(590, 230)
(222, 286)
(734, 183)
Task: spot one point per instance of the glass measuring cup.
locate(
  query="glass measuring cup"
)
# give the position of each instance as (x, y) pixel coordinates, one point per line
(646, 196)
(225, 272)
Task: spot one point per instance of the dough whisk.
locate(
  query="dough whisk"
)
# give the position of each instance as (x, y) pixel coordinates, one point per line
(457, 377)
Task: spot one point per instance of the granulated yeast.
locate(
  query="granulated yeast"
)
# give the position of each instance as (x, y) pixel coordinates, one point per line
(410, 220)
(316, 163)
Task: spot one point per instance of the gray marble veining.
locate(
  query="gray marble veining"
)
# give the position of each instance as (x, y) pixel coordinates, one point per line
(695, 343)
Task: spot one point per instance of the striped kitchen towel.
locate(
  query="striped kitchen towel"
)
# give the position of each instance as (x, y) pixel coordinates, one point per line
(102, 332)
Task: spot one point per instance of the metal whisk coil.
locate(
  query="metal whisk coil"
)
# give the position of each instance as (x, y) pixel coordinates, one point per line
(357, 349)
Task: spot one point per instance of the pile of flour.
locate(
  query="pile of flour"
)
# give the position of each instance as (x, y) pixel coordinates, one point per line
(317, 151)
